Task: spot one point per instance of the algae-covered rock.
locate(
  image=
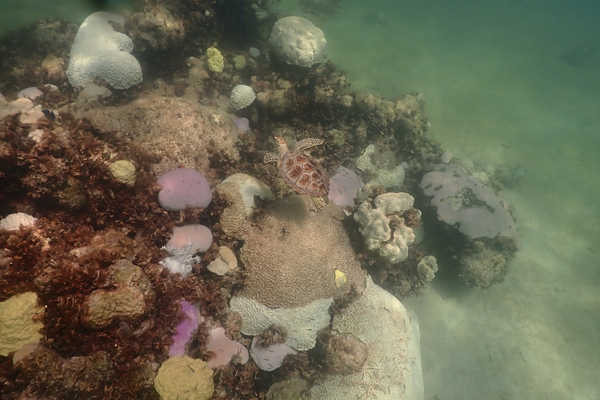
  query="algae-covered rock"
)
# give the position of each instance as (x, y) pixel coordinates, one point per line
(128, 302)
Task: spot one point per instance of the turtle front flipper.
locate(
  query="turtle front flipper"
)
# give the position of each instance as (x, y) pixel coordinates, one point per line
(306, 143)
(271, 157)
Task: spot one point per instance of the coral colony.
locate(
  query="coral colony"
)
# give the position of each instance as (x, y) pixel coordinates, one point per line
(147, 249)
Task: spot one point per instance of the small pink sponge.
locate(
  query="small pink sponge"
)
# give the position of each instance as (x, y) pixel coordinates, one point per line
(224, 349)
(183, 188)
(199, 235)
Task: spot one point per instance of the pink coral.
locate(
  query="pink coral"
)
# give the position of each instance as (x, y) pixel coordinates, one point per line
(224, 349)
(183, 188)
(185, 329)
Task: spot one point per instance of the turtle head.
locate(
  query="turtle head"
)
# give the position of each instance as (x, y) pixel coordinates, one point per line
(281, 145)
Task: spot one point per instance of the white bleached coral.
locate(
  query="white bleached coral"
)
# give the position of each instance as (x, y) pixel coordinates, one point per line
(98, 50)
(298, 41)
(385, 177)
(375, 225)
(393, 367)
(241, 97)
(12, 222)
(301, 323)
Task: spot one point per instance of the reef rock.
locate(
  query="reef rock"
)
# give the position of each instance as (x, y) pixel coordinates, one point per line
(128, 302)
(179, 131)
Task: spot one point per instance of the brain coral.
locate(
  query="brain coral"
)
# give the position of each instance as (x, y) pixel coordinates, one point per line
(291, 255)
(392, 370)
(298, 41)
(241, 97)
(100, 51)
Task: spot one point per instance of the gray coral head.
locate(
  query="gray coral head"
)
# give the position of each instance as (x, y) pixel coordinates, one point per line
(461, 199)
(99, 51)
(298, 41)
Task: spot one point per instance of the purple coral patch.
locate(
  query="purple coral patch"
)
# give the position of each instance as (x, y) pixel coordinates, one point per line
(183, 188)
(460, 198)
(185, 329)
(344, 186)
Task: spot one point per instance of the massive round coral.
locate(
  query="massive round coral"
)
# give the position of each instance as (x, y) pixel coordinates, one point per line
(291, 255)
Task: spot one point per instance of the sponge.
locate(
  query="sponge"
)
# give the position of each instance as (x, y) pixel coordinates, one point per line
(183, 188)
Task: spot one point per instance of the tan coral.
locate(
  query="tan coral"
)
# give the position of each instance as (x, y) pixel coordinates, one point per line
(239, 190)
(129, 301)
(291, 255)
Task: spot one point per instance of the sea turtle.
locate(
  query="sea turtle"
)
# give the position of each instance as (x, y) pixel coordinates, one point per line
(300, 171)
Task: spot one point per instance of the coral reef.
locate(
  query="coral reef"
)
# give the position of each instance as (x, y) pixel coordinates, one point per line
(94, 258)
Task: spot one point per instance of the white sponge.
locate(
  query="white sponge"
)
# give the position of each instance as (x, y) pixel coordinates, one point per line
(100, 51)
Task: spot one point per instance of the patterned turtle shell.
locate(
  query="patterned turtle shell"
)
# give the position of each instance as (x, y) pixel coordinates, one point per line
(300, 171)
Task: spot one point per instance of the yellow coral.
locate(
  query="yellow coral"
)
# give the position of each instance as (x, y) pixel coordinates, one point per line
(184, 378)
(17, 326)
(340, 278)
(215, 59)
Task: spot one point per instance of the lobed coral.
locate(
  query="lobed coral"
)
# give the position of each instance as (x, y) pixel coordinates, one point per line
(98, 50)
(383, 227)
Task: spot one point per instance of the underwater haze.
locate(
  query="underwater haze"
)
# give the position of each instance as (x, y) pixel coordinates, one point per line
(503, 82)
